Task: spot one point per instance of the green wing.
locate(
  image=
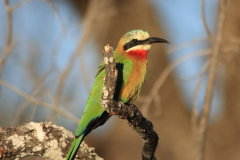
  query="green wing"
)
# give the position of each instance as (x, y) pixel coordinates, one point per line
(93, 108)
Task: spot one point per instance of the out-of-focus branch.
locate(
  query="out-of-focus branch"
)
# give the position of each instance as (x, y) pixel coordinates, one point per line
(163, 76)
(32, 113)
(40, 139)
(51, 3)
(199, 75)
(38, 102)
(8, 45)
(204, 20)
(194, 116)
(34, 92)
(175, 47)
(87, 30)
(203, 119)
(127, 111)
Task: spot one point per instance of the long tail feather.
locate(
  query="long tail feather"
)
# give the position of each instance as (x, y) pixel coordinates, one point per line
(74, 148)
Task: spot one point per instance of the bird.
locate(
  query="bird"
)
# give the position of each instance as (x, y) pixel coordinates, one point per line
(131, 62)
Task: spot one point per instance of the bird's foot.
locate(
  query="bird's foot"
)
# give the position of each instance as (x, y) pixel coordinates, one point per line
(112, 113)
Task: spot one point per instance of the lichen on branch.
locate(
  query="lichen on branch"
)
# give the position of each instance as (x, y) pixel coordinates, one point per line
(40, 139)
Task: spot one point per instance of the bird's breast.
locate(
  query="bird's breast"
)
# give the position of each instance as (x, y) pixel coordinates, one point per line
(133, 79)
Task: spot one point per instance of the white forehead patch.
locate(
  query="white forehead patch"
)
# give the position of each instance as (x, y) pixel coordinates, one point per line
(139, 35)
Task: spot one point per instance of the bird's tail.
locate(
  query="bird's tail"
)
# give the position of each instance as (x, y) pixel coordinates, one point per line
(74, 148)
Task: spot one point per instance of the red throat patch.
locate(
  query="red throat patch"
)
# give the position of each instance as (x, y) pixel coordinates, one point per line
(142, 54)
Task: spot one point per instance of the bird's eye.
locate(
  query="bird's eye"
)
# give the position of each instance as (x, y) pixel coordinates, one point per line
(135, 40)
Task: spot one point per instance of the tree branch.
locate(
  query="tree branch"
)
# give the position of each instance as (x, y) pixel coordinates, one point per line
(39, 102)
(8, 46)
(40, 139)
(204, 116)
(127, 111)
(204, 21)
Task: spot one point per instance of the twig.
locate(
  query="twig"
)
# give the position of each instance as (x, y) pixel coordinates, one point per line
(163, 76)
(199, 75)
(203, 118)
(9, 43)
(195, 99)
(40, 139)
(52, 4)
(127, 111)
(38, 102)
(176, 47)
(88, 24)
(204, 20)
(25, 104)
(8, 46)
(22, 3)
(32, 113)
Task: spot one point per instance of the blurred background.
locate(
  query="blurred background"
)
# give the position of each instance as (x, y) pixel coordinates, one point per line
(50, 51)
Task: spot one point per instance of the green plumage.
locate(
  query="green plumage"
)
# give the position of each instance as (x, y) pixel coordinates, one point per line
(94, 110)
(94, 114)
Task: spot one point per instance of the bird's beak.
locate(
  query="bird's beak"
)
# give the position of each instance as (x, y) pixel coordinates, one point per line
(152, 40)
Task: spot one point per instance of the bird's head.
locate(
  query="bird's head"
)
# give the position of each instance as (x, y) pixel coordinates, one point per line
(137, 43)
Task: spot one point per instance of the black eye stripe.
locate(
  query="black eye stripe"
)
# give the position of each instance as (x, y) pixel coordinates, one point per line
(132, 43)
(150, 40)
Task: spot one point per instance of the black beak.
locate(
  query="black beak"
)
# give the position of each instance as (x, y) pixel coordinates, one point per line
(152, 40)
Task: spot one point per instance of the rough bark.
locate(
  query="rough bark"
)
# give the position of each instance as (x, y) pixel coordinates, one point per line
(127, 111)
(40, 139)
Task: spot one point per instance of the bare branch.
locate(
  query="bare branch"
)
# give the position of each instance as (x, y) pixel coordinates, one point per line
(204, 20)
(163, 76)
(52, 4)
(8, 46)
(40, 139)
(35, 91)
(9, 43)
(195, 100)
(88, 23)
(22, 3)
(32, 113)
(127, 111)
(199, 75)
(40, 103)
(176, 47)
(203, 119)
